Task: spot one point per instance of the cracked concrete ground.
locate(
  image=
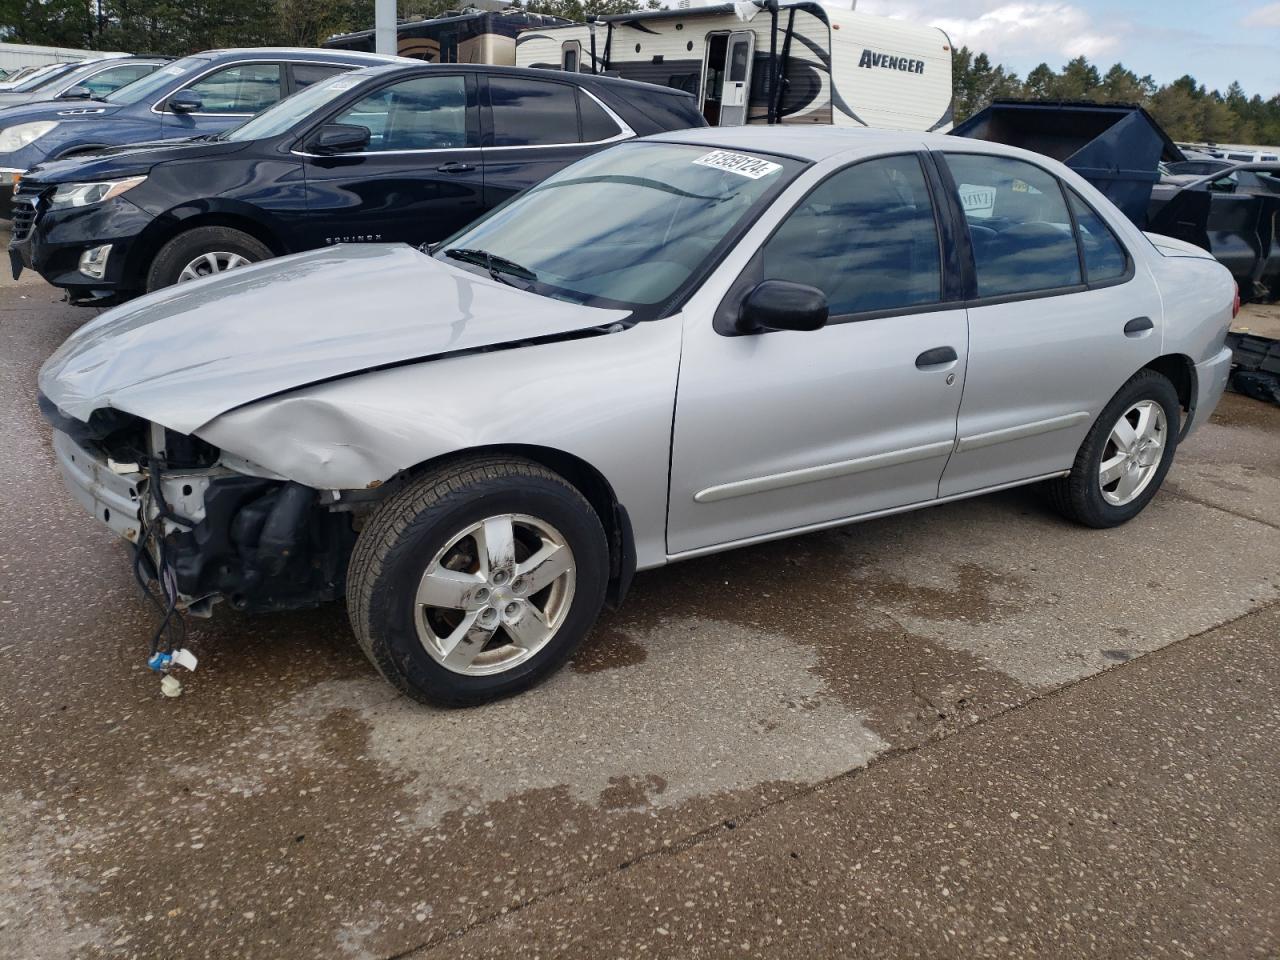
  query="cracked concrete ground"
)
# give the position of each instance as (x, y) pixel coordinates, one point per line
(864, 707)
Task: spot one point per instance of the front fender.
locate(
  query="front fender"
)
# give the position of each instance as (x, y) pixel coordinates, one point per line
(607, 400)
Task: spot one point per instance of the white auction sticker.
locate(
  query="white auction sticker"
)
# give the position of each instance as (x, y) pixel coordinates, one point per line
(977, 201)
(739, 163)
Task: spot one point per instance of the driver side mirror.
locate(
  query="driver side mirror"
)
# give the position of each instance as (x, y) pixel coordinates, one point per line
(77, 92)
(184, 101)
(339, 138)
(782, 305)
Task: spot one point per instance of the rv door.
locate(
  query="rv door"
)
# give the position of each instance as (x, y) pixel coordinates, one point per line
(736, 93)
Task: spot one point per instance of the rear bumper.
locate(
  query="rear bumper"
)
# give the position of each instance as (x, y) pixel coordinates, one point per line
(110, 496)
(1211, 381)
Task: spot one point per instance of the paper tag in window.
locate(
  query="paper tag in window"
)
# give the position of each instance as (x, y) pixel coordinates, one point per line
(739, 163)
(977, 201)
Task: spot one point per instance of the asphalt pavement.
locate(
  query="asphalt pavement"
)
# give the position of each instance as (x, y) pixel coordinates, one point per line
(975, 730)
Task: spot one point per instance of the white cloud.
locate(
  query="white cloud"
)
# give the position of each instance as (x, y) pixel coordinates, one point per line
(1268, 16)
(1031, 31)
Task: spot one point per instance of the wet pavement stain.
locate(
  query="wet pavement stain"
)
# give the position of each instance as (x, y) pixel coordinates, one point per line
(607, 649)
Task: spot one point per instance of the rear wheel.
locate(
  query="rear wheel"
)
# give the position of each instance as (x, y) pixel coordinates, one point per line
(1124, 457)
(203, 252)
(477, 580)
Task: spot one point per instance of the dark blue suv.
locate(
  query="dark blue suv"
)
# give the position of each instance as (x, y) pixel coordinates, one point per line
(200, 94)
(384, 154)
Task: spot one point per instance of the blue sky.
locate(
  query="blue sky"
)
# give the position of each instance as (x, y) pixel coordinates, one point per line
(1215, 42)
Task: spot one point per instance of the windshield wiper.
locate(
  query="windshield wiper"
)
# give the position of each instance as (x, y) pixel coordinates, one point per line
(496, 265)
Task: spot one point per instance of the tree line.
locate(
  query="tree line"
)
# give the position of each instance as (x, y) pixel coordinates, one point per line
(1185, 108)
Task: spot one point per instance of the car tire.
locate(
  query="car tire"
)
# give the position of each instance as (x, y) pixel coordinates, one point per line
(212, 245)
(1149, 403)
(449, 628)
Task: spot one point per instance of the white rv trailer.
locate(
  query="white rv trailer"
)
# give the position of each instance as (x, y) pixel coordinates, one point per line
(765, 61)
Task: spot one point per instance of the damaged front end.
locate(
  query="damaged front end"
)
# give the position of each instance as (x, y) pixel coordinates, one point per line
(213, 531)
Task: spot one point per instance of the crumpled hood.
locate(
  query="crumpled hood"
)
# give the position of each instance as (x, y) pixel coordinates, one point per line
(182, 356)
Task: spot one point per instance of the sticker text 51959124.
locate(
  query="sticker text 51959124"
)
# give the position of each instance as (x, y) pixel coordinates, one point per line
(739, 163)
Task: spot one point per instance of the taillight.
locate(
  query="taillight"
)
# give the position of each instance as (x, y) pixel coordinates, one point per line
(1235, 303)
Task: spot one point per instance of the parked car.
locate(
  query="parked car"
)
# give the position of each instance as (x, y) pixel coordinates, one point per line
(35, 73)
(195, 96)
(89, 80)
(673, 347)
(381, 154)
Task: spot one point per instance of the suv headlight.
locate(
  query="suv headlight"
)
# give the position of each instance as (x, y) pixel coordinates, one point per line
(83, 194)
(18, 136)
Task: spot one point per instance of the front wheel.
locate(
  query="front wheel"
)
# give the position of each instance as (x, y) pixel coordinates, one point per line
(202, 252)
(477, 580)
(1124, 457)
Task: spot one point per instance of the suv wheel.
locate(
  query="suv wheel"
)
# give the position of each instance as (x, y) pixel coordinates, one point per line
(1124, 457)
(477, 580)
(202, 252)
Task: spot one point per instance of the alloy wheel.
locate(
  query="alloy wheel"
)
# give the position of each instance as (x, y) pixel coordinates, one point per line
(495, 594)
(207, 264)
(1133, 452)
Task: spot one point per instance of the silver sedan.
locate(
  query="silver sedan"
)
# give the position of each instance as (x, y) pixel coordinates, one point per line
(674, 347)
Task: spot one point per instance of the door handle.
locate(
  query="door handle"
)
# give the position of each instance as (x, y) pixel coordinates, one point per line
(455, 166)
(936, 357)
(1138, 325)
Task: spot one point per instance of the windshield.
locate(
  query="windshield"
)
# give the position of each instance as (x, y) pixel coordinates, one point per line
(628, 227)
(276, 120)
(38, 81)
(153, 82)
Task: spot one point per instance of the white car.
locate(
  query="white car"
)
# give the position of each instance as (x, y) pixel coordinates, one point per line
(673, 347)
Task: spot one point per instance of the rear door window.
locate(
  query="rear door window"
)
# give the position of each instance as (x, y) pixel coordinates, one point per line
(532, 113)
(305, 74)
(1104, 257)
(1018, 223)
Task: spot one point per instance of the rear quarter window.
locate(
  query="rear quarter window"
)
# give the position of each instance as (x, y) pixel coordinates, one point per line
(658, 112)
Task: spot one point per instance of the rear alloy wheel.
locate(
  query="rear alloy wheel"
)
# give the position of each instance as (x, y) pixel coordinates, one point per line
(477, 580)
(1133, 453)
(203, 252)
(1125, 456)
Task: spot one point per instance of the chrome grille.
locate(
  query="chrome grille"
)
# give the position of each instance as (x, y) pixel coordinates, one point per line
(25, 209)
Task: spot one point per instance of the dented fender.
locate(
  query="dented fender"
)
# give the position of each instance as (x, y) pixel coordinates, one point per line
(607, 400)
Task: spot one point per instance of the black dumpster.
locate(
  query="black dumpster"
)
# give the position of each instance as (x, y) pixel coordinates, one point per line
(1116, 147)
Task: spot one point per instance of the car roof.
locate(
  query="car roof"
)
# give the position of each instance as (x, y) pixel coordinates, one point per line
(301, 53)
(408, 66)
(814, 143)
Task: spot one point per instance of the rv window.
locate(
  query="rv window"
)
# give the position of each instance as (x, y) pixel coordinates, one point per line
(866, 237)
(596, 124)
(1018, 223)
(1104, 257)
(532, 112)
